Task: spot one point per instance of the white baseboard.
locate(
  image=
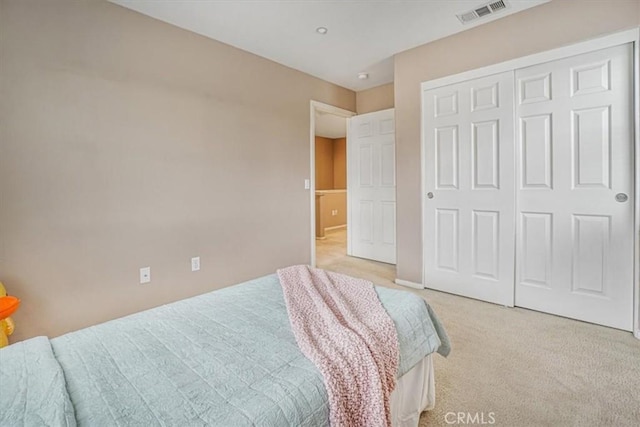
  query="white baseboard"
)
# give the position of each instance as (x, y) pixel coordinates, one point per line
(335, 227)
(408, 284)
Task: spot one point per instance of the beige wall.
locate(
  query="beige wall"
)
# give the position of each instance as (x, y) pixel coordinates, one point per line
(375, 99)
(324, 163)
(326, 203)
(126, 142)
(551, 25)
(340, 163)
(331, 163)
(334, 202)
(331, 173)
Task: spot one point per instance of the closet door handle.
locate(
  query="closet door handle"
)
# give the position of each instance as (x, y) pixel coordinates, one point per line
(621, 197)
(430, 195)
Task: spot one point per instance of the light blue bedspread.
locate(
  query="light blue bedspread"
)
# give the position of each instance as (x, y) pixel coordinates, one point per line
(32, 387)
(226, 358)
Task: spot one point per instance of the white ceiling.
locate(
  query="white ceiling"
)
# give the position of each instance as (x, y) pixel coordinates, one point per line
(363, 35)
(330, 126)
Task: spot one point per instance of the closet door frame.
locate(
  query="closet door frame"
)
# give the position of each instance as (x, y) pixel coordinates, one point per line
(629, 36)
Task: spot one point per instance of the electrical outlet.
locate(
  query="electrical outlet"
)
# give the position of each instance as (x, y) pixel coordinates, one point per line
(145, 274)
(195, 263)
(334, 212)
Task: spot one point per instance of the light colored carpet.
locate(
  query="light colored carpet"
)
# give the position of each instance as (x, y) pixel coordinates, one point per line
(514, 366)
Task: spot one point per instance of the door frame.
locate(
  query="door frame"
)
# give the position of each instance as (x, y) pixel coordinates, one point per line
(616, 39)
(317, 106)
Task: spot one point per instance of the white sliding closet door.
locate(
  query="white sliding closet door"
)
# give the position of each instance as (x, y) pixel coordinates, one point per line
(575, 187)
(469, 181)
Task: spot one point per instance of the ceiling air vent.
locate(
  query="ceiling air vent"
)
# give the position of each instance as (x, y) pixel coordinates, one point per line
(483, 10)
(497, 6)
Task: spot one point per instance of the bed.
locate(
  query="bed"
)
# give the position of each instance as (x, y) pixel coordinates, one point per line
(225, 358)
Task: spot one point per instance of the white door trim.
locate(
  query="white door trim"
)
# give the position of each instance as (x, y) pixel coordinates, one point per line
(316, 106)
(616, 39)
(636, 147)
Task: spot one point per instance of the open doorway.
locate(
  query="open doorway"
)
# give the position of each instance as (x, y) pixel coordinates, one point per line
(331, 187)
(329, 183)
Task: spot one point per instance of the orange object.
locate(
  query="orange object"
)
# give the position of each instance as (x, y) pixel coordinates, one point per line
(8, 305)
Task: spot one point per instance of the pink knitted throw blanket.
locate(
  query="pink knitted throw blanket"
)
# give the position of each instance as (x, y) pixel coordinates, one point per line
(341, 326)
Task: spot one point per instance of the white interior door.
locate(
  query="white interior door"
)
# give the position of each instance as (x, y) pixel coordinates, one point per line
(371, 186)
(575, 189)
(469, 181)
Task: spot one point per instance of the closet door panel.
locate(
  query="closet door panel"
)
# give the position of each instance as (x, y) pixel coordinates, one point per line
(575, 160)
(469, 174)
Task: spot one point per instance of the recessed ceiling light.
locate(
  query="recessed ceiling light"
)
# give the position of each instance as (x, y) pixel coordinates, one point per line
(321, 30)
(363, 76)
